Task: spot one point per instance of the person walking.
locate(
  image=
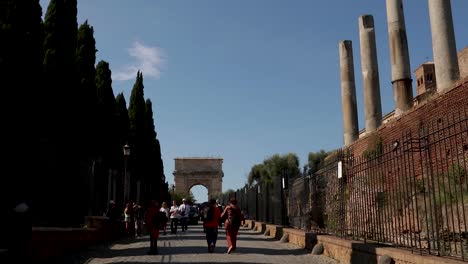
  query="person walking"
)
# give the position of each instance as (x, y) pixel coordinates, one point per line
(152, 221)
(174, 212)
(184, 210)
(129, 219)
(165, 210)
(211, 216)
(233, 218)
(139, 217)
(115, 220)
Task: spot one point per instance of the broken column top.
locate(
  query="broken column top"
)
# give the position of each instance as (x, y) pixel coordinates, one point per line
(366, 21)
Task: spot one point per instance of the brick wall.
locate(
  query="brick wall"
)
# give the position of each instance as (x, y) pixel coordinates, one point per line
(438, 107)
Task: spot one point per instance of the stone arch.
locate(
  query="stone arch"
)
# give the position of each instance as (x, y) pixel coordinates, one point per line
(189, 172)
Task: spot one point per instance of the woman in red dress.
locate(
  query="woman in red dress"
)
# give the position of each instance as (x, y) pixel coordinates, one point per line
(233, 218)
(151, 221)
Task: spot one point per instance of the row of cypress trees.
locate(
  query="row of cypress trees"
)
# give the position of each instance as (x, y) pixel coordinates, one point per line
(63, 128)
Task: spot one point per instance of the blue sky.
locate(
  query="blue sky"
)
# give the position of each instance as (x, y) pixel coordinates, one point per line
(243, 80)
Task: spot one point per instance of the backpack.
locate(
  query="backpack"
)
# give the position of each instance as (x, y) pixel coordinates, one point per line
(235, 220)
(159, 219)
(208, 213)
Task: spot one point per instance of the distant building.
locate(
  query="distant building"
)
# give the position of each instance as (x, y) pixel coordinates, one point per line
(425, 80)
(426, 83)
(463, 62)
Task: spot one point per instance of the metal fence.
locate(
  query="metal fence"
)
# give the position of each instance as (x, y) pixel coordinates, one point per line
(263, 202)
(409, 192)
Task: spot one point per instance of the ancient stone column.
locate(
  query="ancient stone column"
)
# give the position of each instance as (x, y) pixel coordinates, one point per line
(348, 93)
(370, 73)
(399, 57)
(443, 44)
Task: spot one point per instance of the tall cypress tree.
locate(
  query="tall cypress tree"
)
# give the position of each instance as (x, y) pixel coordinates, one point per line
(154, 164)
(60, 41)
(123, 122)
(123, 134)
(136, 114)
(59, 99)
(108, 116)
(136, 111)
(86, 74)
(21, 34)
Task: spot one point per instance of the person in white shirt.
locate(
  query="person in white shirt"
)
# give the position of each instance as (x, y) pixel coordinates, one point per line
(174, 212)
(165, 210)
(184, 210)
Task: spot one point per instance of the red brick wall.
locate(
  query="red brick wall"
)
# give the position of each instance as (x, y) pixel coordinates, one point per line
(439, 107)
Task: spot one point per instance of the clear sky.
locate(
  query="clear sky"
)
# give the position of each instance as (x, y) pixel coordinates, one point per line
(242, 79)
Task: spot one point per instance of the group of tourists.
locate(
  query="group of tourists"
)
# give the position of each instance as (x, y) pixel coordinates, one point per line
(231, 217)
(179, 214)
(155, 219)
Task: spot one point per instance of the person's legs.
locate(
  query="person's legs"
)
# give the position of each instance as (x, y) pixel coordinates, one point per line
(183, 223)
(174, 225)
(234, 238)
(228, 237)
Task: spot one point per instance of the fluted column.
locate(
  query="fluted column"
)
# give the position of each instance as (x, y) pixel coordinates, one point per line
(443, 44)
(370, 73)
(399, 57)
(348, 93)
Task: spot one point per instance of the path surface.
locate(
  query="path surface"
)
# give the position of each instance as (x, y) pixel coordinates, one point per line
(190, 247)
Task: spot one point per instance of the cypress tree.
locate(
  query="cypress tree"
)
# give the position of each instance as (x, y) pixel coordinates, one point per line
(21, 33)
(59, 99)
(60, 41)
(108, 116)
(123, 134)
(136, 114)
(86, 74)
(154, 164)
(123, 122)
(136, 111)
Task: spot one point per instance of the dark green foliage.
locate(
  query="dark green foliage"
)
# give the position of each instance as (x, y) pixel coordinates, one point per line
(317, 160)
(108, 115)
(61, 33)
(86, 73)
(123, 122)
(256, 173)
(21, 34)
(136, 111)
(374, 147)
(153, 163)
(275, 166)
(60, 42)
(62, 125)
(148, 164)
(59, 99)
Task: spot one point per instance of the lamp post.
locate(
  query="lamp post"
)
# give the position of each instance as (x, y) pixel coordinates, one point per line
(246, 199)
(126, 152)
(284, 186)
(173, 189)
(256, 202)
(162, 195)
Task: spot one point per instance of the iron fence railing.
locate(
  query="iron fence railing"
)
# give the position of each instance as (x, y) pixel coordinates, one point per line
(411, 192)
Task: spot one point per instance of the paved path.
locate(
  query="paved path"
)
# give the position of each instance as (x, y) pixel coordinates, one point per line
(190, 247)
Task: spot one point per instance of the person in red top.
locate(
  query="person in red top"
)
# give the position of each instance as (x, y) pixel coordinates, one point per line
(152, 223)
(233, 218)
(210, 224)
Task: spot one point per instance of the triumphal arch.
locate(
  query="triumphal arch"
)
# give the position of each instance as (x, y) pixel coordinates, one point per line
(189, 172)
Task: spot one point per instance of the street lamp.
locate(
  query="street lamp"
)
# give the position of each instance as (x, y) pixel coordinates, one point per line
(284, 186)
(256, 202)
(173, 189)
(126, 152)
